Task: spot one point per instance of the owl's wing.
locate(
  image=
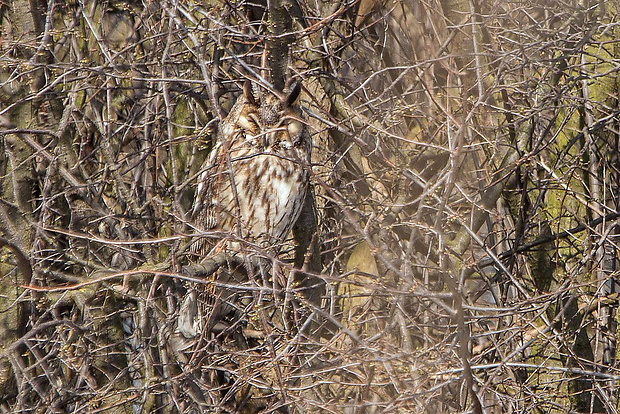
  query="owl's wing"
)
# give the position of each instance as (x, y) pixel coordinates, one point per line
(203, 213)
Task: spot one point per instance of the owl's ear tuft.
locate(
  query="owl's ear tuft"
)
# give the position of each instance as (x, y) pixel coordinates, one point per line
(294, 91)
(248, 93)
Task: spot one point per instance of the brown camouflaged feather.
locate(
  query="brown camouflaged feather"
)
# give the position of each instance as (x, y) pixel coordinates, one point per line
(254, 183)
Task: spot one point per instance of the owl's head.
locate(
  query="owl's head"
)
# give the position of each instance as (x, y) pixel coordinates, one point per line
(269, 121)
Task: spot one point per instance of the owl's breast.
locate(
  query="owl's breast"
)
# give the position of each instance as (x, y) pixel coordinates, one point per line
(270, 188)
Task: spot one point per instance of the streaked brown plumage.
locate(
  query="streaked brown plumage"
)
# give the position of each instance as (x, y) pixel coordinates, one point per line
(255, 180)
(254, 183)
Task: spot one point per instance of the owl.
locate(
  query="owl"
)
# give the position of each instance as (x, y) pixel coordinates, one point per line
(254, 183)
(252, 187)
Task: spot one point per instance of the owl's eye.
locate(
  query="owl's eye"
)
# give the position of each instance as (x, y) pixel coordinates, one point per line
(245, 123)
(294, 128)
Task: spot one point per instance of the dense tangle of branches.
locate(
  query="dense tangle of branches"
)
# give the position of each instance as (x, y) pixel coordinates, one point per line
(463, 234)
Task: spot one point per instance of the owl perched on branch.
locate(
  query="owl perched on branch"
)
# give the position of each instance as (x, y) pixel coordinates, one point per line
(254, 183)
(252, 188)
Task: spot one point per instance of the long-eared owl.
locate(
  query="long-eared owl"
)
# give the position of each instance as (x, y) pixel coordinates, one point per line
(254, 183)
